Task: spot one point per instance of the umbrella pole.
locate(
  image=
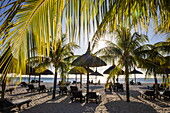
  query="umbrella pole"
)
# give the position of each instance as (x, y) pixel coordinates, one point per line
(29, 78)
(87, 80)
(96, 79)
(135, 78)
(68, 78)
(39, 80)
(80, 80)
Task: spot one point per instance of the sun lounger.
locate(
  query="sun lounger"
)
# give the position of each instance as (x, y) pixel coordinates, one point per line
(148, 93)
(7, 104)
(8, 90)
(44, 89)
(93, 95)
(118, 87)
(73, 89)
(32, 88)
(165, 94)
(23, 84)
(78, 95)
(20, 102)
(63, 90)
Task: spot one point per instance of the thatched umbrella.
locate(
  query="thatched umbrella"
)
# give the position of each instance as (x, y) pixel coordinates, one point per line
(45, 72)
(96, 73)
(32, 71)
(89, 70)
(88, 60)
(78, 70)
(107, 71)
(135, 72)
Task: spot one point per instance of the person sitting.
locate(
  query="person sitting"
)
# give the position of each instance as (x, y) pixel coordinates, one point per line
(91, 81)
(131, 82)
(99, 82)
(139, 83)
(108, 86)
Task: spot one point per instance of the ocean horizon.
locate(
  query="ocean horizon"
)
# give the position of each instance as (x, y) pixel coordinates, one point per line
(120, 80)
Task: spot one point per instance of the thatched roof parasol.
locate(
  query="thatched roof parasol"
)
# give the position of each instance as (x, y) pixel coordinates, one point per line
(88, 60)
(135, 72)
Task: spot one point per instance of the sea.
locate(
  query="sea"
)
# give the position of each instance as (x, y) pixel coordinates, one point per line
(120, 80)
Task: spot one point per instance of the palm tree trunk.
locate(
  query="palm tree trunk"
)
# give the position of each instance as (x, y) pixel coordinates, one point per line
(80, 80)
(3, 89)
(167, 81)
(156, 84)
(127, 84)
(87, 80)
(55, 82)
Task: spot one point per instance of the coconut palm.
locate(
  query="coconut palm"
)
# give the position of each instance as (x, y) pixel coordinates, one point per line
(151, 59)
(60, 56)
(123, 51)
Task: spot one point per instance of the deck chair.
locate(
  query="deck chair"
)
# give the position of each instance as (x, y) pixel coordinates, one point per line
(44, 89)
(23, 84)
(63, 90)
(148, 93)
(78, 95)
(165, 94)
(93, 95)
(73, 89)
(15, 103)
(6, 106)
(32, 88)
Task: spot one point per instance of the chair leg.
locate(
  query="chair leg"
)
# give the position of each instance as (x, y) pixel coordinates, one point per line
(96, 101)
(87, 100)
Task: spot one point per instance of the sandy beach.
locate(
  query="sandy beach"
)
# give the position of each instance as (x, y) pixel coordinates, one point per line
(111, 102)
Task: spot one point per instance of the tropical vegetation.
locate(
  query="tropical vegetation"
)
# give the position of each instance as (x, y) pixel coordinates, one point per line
(123, 52)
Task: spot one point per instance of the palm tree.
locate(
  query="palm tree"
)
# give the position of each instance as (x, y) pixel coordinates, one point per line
(60, 56)
(150, 58)
(123, 51)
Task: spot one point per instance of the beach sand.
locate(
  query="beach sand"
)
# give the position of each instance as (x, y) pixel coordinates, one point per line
(111, 102)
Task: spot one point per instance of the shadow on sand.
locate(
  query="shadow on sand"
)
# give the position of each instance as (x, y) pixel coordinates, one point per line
(128, 107)
(62, 104)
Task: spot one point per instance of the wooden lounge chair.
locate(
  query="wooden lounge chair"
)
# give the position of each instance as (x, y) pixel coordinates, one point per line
(8, 104)
(73, 89)
(148, 93)
(23, 84)
(78, 95)
(32, 88)
(63, 90)
(8, 90)
(44, 89)
(118, 87)
(165, 94)
(93, 95)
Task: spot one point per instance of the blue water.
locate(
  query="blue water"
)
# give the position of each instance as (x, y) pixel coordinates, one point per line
(121, 80)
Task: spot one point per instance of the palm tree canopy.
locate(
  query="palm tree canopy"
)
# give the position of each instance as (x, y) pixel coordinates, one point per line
(8, 62)
(78, 70)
